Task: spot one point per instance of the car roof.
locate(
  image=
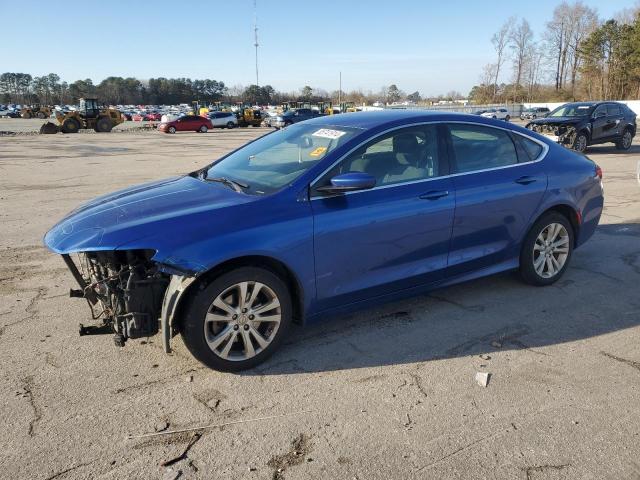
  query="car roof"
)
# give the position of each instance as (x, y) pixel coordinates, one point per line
(390, 118)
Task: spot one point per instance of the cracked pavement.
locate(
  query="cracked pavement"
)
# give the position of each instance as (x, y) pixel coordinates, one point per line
(385, 393)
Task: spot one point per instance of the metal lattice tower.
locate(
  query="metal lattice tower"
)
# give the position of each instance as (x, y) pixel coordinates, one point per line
(255, 34)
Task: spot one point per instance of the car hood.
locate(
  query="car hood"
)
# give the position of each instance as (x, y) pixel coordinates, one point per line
(148, 211)
(558, 121)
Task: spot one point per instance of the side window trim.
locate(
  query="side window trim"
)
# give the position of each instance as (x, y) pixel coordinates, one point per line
(447, 155)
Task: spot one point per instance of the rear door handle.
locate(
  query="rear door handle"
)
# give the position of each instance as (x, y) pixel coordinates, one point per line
(434, 194)
(526, 180)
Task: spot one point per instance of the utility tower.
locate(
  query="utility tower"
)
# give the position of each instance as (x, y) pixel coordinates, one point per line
(255, 35)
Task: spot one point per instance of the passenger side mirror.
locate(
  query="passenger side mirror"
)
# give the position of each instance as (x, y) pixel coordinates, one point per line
(349, 182)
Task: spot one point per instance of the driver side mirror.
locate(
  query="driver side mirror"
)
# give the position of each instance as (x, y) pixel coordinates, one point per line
(349, 182)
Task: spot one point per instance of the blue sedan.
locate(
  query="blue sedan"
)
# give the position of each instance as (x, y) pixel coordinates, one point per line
(325, 217)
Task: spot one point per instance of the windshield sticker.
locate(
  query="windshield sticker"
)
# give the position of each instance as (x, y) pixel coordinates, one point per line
(318, 152)
(328, 133)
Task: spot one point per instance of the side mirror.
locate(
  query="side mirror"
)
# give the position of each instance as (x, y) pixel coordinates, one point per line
(349, 182)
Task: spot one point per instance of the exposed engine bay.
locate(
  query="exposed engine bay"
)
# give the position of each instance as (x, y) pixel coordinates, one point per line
(124, 289)
(565, 134)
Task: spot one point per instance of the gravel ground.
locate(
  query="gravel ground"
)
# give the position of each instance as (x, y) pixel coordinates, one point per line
(387, 393)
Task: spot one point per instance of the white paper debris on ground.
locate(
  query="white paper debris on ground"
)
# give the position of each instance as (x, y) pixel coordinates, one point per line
(482, 378)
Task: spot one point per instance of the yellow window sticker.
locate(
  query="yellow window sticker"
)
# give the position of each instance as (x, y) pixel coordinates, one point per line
(318, 152)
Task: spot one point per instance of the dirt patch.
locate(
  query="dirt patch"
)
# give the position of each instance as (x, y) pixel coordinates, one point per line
(300, 448)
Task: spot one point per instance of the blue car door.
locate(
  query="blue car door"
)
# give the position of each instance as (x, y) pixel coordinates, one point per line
(393, 236)
(499, 182)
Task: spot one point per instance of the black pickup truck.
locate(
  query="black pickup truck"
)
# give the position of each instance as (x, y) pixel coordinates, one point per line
(578, 125)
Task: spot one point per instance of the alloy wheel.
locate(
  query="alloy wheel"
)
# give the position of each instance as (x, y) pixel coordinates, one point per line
(626, 140)
(550, 250)
(242, 321)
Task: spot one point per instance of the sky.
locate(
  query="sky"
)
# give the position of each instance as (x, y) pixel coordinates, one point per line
(430, 46)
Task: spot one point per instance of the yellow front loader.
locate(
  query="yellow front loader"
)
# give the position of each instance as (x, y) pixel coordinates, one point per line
(89, 115)
(36, 111)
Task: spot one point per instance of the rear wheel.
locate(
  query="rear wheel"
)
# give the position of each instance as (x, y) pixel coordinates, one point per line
(581, 142)
(238, 320)
(203, 129)
(103, 125)
(625, 142)
(70, 125)
(546, 250)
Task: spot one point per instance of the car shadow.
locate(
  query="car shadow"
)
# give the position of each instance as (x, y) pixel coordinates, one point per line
(597, 295)
(610, 148)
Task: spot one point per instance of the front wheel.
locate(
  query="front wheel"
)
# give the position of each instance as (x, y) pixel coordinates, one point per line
(172, 130)
(238, 320)
(546, 250)
(507, 118)
(230, 125)
(203, 129)
(581, 142)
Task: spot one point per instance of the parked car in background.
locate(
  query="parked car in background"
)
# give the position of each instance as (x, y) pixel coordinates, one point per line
(187, 123)
(223, 119)
(580, 124)
(327, 216)
(533, 112)
(139, 117)
(154, 116)
(293, 116)
(498, 113)
(9, 113)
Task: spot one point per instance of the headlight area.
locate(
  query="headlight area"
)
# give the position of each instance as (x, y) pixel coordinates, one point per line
(124, 290)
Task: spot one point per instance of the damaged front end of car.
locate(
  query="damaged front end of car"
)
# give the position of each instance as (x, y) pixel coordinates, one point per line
(562, 134)
(128, 293)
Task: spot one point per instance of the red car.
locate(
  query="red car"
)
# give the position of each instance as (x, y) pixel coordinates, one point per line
(189, 123)
(139, 117)
(154, 117)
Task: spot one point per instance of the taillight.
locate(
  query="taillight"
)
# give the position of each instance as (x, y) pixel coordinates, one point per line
(598, 172)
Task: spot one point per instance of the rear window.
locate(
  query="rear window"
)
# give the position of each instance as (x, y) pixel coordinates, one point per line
(531, 149)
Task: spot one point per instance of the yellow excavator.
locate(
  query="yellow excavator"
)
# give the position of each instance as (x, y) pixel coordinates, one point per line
(89, 115)
(36, 111)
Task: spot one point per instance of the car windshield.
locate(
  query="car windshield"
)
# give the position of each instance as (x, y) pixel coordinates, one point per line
(275, 160)
(572, 110)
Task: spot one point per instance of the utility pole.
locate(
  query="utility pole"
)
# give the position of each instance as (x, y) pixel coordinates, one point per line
(255, 34)
(340, 90)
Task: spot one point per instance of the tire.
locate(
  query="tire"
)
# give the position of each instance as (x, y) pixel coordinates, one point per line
(203, 129)
(542, 267)
(41, 115)
(625, 142)
(230, 124)
(229, 333)
(171, 129)
(581, 142)
(70, 125)
(507, 118)
(494, 117)
(103, 125)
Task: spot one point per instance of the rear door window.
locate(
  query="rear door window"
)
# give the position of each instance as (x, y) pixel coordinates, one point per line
(614, 110)
(477, 147)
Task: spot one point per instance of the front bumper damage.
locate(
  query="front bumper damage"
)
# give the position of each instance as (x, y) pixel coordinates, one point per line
(562, 134)
(129, 295)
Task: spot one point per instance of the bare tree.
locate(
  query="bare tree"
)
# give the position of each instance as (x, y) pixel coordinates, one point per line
(520, 41)
(500, 40)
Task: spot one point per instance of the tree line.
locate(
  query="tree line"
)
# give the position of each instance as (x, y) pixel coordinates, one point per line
(577, 57)
(23, 88)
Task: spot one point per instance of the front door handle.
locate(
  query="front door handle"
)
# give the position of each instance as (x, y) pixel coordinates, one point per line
(526, 180)
(434, 194)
